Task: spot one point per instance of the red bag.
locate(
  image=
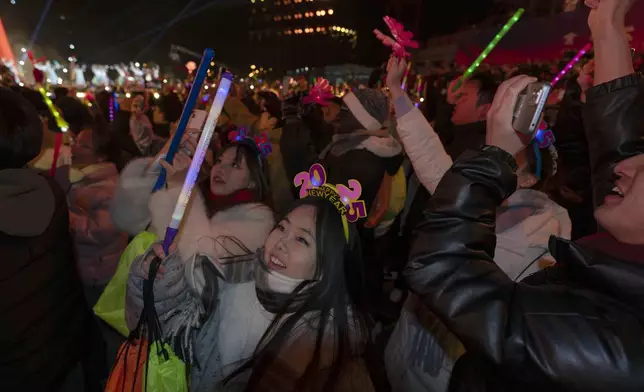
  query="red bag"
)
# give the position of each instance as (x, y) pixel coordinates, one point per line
(129, 369)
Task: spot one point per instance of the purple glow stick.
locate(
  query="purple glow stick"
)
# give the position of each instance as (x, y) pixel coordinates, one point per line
(571, 64)
(197, 160)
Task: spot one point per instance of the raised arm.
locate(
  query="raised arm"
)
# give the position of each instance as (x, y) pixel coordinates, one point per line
(548, 333)
(422, 144)
(613, 115)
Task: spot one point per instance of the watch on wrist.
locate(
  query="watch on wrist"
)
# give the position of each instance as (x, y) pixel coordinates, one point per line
(501, 155)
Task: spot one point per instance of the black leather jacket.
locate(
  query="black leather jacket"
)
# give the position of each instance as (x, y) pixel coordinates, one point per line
(578, 326)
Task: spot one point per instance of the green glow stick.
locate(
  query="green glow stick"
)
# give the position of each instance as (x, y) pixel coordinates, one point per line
(60, 121)
(514, 19)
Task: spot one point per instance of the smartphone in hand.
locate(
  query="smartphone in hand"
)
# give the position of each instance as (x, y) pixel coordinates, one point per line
(529, 107)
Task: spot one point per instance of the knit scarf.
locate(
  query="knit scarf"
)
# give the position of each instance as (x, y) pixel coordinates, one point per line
(274, 290)
(221, 202)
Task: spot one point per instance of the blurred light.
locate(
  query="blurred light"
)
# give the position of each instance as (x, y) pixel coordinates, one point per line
(212, 63)
(165, 80)
(137, 64)
(80, 95)
(22, 62)
(306, 68)
(241, 80)
(128, 95)
(252, 87)
(107, 88)
(60, 80)
(422, 100)
(23, 50)
(72, 47)
(65, 70)
(21, 84)
(331, 12)
(157, 96)
(253, 66)
(205, 87)
(13, 1)
(62, 17)
(70, 59)
(48, 94)
(48, 80)
(322, 13)
(89, 104)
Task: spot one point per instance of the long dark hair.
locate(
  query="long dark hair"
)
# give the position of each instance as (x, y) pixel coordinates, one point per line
(256, 166)
(337, 295)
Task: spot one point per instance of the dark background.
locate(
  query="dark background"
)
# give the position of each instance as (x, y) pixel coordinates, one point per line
(123, 30)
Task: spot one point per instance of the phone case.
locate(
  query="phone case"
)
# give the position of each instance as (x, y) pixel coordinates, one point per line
(529, 107)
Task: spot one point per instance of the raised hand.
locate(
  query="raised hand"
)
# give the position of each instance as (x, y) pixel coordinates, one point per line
(500, 132)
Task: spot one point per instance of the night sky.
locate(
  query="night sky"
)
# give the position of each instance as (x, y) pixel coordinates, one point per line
(119, 30)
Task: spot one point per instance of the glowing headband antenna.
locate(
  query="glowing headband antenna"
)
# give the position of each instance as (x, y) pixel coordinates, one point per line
(197, 160)
(497, 38)
(208, 55)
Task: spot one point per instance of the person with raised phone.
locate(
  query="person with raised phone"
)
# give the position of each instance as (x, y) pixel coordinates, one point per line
(578, 325)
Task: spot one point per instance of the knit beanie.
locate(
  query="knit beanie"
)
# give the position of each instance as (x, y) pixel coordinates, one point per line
(369, 106)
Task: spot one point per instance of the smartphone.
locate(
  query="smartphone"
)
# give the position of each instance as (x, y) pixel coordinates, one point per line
(529, 107)
(197, 119)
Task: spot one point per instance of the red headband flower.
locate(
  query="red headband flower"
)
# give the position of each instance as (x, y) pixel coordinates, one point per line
(320, 93)
(401, 39)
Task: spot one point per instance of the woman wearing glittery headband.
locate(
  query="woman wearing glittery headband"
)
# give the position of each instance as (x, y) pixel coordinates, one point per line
(291, 317)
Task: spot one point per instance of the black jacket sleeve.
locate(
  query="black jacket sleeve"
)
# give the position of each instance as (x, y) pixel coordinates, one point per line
(572, 147)
(614, 123)
(541, 333)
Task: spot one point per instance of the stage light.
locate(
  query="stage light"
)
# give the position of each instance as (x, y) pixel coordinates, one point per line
(21, 84)
(80, 95)
(65, 70)
(70, 59)
(165, 80)
(60, 80)
(252, 87)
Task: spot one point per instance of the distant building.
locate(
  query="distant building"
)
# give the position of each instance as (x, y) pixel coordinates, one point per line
(294, 34)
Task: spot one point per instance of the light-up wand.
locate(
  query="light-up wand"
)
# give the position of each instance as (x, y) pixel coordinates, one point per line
(208, 55)
(197, 160)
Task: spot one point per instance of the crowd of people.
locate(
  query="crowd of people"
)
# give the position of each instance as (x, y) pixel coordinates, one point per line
(380, 245)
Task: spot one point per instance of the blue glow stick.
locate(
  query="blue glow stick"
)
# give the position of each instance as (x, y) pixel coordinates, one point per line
(200, 76)
(197, 160)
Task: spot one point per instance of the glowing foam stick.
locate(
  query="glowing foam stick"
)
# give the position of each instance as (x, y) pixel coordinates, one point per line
(514, 19)
(197, 160)
(404, 83)
(571, 64)
(60, 121)
(208, 55)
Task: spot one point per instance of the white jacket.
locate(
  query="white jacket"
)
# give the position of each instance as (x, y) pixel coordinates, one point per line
(134, 207)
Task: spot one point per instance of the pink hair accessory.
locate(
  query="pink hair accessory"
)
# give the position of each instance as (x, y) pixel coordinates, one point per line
(401, 39)
(320, 93)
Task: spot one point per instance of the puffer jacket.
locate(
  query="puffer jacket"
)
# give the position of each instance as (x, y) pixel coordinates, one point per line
(99, 244)
(45, 319)
(577, 326)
